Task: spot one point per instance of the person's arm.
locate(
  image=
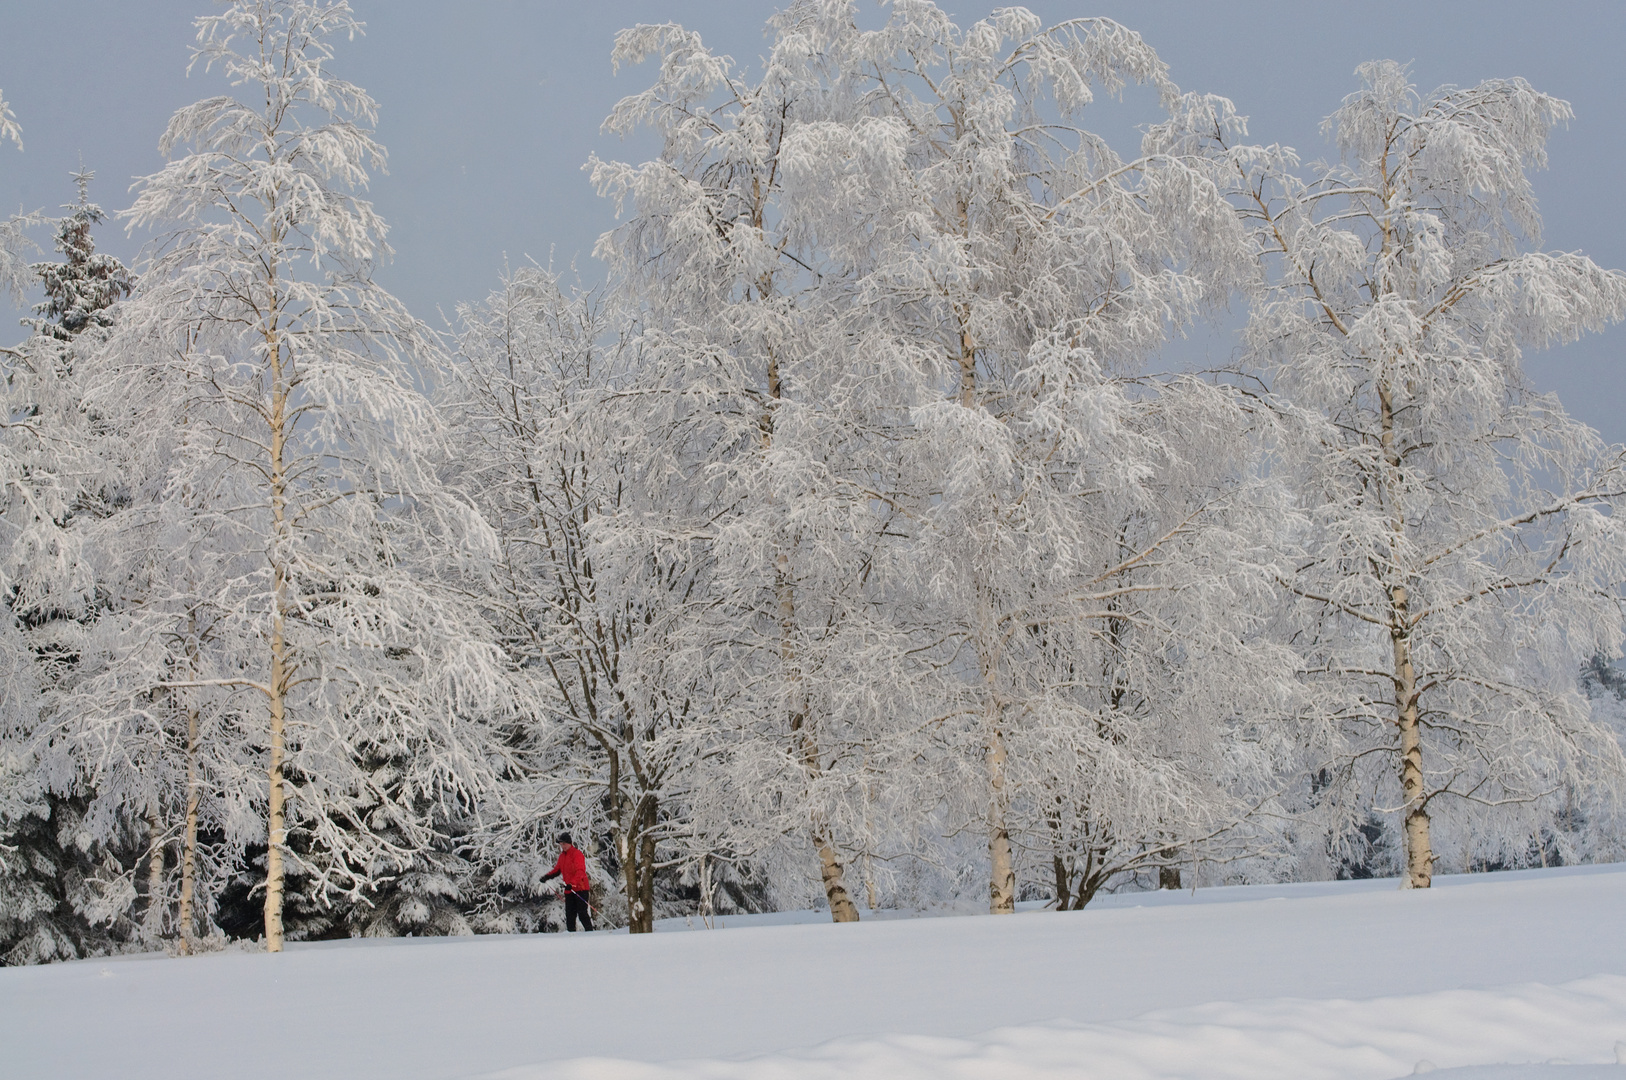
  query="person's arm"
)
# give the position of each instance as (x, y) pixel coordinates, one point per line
(551, 874)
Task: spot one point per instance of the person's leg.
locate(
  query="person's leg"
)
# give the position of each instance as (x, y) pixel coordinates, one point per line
(576, 909)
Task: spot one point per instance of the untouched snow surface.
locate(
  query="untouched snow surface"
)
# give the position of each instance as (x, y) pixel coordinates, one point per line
(1492, 977)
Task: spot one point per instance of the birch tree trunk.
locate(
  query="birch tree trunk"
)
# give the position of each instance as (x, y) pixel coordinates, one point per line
(189, 838)
(277, 686)
(1419, 849)
(1001, 863)
(646, 865)
(1060, 865)
(276, 832)
(831, 870)
(153, 924)
(633, 824)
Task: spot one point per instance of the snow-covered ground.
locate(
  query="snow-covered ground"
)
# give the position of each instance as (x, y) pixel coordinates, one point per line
(1493, 977)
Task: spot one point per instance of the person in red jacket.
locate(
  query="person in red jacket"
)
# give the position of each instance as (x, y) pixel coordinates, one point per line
(571, 867)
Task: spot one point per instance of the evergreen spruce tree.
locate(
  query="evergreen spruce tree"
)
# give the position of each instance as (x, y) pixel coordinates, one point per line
(54, 870)
(81, 290)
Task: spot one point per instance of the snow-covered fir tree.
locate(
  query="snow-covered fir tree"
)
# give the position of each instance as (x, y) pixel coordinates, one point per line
(67, 865)
(81, 289)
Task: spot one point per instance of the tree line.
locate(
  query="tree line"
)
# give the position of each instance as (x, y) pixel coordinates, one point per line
(839, 548)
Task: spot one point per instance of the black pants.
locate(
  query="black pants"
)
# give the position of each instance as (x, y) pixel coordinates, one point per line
(576, 908)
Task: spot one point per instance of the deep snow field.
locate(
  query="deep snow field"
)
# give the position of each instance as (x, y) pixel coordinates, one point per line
(1514, 976)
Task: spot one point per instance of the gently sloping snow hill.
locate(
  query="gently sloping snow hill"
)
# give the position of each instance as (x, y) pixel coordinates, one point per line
(1491, 977)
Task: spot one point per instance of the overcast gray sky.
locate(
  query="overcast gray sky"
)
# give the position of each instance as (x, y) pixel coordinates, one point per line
(490, 108)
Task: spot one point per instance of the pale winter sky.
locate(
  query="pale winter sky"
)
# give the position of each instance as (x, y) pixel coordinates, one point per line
(490, 108)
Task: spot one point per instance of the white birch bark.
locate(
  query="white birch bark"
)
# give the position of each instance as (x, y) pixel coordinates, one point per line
(152, 927)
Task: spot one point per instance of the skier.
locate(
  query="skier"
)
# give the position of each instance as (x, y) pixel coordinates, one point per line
(571, 866)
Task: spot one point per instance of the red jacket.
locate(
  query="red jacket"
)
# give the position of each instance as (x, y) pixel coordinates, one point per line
(572, 867)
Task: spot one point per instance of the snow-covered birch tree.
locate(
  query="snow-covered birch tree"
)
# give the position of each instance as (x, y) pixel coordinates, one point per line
(748, 391)
(587, 614)
(996, 247)
(14, 243)
(901, 257)
(9, 128)
(300, 513)
(1462, 550)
